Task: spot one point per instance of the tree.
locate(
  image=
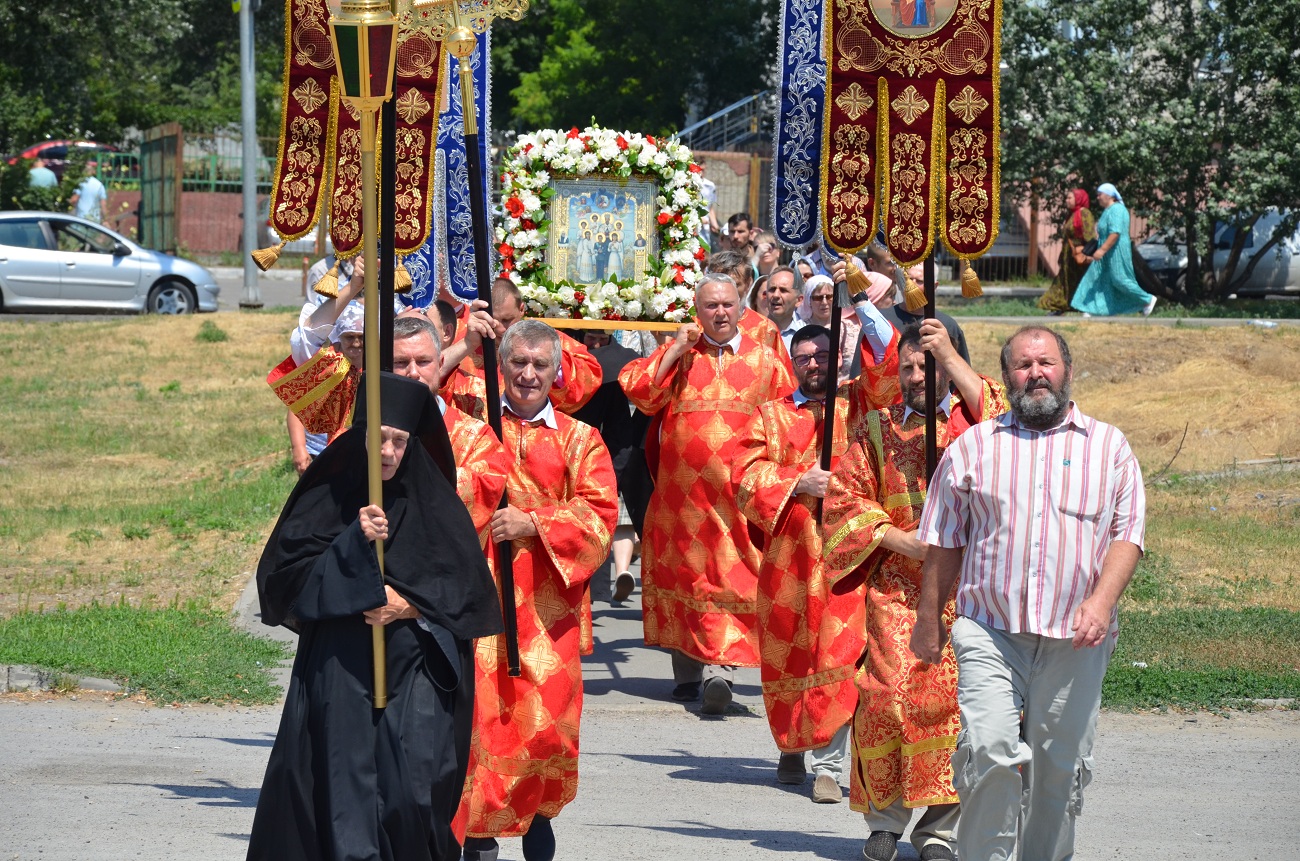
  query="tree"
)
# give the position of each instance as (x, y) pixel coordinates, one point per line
(629, 63)
(1188, 106)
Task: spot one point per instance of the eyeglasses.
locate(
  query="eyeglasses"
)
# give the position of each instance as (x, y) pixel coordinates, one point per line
(827, 298)
(823, 359)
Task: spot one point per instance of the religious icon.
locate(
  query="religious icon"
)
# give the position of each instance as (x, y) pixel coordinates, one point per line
(591, 244)
(913, 18)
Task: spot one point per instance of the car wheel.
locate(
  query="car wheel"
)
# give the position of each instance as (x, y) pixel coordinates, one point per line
(171, 297)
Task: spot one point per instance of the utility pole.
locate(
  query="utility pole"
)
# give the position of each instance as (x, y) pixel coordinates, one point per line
(252, 295)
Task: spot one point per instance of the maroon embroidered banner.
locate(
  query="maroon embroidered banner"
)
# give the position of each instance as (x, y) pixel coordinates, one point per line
(911, 139)
(320, 138)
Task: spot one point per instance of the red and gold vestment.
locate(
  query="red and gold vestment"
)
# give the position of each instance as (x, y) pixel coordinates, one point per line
(699, 564)
(320, 391)
(905, 727)
(524, 755)
(811, 629)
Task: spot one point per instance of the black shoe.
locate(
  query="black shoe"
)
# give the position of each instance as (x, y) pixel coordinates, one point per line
(481, 849)
(790, 769)
(937, 852)
(624, 584)
(687, 692)
(881, 846)
(716, 696)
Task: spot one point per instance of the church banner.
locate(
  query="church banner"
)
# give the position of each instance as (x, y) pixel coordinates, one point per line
(798, 127)
(910, 144)
(319, 156)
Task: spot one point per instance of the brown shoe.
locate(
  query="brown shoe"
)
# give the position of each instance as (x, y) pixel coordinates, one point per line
(790, 769)
(826, 790)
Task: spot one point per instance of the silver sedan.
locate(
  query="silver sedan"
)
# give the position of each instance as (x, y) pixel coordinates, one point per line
(55, 262)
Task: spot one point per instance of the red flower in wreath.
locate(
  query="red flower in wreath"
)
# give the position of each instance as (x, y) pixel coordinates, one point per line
(622, 142)
(528, 224)
(700, 255)
(505, 250)
(678, 277)
(580, 296)
(694, 168)
(574, 133)
(664, 218)
(651, 139)
(515, 206)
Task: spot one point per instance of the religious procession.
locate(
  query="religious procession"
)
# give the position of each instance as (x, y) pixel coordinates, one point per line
(922, 558)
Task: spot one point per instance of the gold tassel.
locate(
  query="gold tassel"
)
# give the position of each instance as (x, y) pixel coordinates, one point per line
(914, 297)
(328, 285)
(855, 277)
(970, 282)
(265, 257)
(402, 282)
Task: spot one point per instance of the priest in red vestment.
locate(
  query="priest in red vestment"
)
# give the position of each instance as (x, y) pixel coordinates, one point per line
(811, 628)
(562, 510)
(577, 380)
(699, 564)
(906, 723)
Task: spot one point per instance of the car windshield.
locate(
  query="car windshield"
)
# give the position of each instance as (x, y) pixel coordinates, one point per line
(72, 236)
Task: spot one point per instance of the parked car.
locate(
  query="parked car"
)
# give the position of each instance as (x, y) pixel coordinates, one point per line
(1278, 271)
(266, 235)
(56, 262)
(55, 154)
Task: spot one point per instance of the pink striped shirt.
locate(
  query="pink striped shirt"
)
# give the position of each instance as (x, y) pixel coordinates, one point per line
(1036, 512)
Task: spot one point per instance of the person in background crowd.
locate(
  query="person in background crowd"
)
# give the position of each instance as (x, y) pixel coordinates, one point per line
(1079, 229)
(1110, 287)
(89, 198)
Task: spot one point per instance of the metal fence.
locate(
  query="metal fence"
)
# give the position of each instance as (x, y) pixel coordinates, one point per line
(208, 163)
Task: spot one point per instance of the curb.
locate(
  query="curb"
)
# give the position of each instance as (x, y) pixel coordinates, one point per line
(20, 678)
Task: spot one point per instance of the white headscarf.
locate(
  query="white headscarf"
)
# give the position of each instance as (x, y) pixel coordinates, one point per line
(351, 320)
(1107, 188)
(805, 307)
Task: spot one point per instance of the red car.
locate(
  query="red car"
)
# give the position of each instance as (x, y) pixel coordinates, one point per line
(55, 154)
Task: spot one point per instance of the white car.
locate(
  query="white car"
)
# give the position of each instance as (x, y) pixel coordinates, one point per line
(1278, 271)
(55, 262)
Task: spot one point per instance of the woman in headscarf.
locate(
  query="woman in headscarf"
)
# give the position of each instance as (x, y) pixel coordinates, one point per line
(1079, 229)
(347, 780)
(1110, 287)
(818, 295)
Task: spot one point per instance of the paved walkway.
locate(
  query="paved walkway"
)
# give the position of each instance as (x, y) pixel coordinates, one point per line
(95, 780)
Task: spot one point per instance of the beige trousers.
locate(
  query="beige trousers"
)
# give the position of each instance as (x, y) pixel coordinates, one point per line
(1029, 717)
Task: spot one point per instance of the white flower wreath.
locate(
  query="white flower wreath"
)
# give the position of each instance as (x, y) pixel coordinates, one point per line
(667, 292)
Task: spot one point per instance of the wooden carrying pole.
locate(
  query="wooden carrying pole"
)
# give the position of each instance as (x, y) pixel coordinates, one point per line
(374, 438)
(832, 384)
(931, 395)
(461, 43)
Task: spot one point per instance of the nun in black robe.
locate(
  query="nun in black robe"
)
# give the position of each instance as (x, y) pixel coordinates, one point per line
(346, 781)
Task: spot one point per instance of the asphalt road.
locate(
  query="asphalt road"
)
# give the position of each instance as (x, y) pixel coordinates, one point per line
(93, 779)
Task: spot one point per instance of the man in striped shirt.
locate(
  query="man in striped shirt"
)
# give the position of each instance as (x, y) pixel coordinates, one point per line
(1037, 517)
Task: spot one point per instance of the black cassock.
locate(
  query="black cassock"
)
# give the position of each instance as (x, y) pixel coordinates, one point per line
(347, 781)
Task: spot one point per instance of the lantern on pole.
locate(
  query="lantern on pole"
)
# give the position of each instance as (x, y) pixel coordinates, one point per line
(363, 35)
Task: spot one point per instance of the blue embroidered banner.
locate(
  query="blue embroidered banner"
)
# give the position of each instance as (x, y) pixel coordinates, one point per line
(449, 252)
(796, 174)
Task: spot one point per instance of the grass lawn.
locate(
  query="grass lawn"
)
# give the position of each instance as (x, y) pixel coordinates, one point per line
(1244, 309)
(143, 462)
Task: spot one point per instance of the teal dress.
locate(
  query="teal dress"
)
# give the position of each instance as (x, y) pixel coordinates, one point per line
(1109, 287)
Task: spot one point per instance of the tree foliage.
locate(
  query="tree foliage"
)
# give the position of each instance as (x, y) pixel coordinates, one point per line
(98, 70)
(634, 64)
(1188, 106)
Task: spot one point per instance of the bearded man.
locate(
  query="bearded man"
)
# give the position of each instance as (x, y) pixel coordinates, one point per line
(811, 628)
(1037, 517)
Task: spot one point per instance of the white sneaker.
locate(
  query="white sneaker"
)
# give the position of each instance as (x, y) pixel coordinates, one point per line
(1151, 306)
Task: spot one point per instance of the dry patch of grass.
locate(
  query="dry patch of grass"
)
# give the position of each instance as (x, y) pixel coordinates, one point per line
(139, 462)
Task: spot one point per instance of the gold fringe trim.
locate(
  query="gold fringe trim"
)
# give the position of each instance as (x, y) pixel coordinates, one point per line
(914, 297)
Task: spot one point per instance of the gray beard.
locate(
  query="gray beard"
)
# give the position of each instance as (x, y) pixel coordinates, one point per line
(1041, 413)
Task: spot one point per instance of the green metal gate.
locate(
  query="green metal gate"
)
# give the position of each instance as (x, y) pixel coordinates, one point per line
(161, 170)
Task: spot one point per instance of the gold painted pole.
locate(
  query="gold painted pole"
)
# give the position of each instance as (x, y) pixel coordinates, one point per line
(374, 439)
